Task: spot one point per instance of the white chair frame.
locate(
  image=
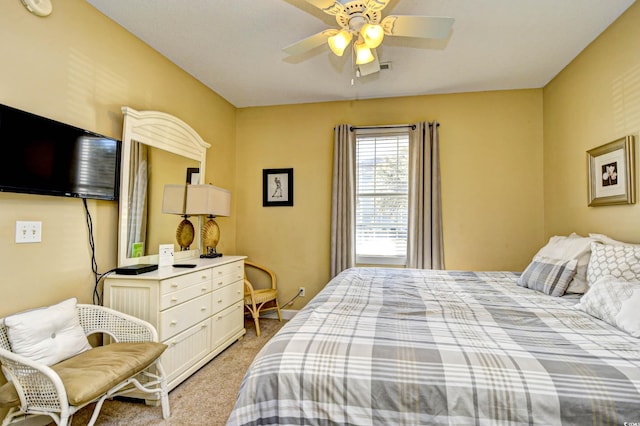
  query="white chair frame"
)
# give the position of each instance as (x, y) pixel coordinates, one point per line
(41, 390)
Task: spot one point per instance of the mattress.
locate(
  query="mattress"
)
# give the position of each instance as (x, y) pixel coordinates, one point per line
(410, 347)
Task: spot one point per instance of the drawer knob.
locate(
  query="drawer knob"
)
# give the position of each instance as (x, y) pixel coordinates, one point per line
(203, 326)
(219, 282)
(174, 322)
(203, 289)
(203, 309)
(219, 300)
(204, 277)
(173, 299)
(174, 285)
(174, 343)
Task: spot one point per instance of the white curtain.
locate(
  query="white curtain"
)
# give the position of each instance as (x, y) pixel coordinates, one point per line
(425, 248)
(343, 251)
(138, 182)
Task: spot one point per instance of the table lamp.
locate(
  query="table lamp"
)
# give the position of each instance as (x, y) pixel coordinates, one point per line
(211, 201)
(174, 202)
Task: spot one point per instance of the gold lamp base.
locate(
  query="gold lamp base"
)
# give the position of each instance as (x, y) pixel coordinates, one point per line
(210, 237)
(185, 234)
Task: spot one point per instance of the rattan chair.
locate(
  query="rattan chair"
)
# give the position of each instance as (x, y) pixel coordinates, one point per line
(256, 299)
(131, 363)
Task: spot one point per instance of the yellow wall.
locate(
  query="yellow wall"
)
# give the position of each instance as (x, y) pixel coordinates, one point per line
(506, 185)
(595, 100)
(78, 67)
(491, 156)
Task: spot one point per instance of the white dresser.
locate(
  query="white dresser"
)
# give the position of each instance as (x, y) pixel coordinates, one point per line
(198, 312)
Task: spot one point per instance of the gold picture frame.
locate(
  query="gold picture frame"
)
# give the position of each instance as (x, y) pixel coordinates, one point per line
(611, 169)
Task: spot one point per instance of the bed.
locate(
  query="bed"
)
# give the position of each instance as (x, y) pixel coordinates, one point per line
(409, 347)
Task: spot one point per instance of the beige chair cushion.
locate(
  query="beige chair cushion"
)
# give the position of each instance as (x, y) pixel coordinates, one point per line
(92, 373)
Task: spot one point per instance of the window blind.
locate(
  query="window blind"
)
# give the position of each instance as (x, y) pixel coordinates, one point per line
(382, 195)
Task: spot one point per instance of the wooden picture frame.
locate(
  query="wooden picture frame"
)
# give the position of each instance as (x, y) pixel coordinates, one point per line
(611, 173)
(277, 187)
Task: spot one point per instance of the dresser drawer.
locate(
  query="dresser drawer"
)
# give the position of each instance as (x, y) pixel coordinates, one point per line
(226, 324)
(186, 348)
(179, 318)
(227, 274)
(177, 297)
(183, 281)
(226, 296)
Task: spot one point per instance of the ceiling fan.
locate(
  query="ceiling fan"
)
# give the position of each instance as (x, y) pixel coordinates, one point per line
(362, 20)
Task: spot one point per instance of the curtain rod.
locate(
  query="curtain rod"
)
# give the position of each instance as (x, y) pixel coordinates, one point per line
(397, 126)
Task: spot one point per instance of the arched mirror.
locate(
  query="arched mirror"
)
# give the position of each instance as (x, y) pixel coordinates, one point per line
(157, 149)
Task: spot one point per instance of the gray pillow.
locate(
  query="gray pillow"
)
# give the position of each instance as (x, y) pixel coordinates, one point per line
(549, 276)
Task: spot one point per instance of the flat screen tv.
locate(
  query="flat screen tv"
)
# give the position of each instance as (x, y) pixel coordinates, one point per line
(43, 156)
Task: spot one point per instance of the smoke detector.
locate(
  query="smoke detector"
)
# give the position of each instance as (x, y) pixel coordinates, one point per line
(38, 7)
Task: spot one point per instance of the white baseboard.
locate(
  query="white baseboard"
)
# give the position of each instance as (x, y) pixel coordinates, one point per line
(287, 314)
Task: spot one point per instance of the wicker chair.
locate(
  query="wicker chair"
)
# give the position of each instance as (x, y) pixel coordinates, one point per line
(255, 299)
(130, 364)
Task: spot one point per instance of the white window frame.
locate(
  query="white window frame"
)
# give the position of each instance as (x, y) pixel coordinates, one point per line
(389, 260)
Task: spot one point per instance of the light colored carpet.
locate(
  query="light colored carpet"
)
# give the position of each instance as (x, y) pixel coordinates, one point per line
(204, 399)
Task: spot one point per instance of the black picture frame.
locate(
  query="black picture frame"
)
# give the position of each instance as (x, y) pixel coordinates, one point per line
(277, 187)
(191, 171)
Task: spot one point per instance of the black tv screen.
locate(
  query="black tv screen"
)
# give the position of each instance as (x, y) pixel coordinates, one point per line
(43, 156)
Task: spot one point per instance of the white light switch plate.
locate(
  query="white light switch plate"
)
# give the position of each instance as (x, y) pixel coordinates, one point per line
(28, 232)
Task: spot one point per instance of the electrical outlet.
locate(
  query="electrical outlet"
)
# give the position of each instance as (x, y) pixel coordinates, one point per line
(301, 291)
(28, 232)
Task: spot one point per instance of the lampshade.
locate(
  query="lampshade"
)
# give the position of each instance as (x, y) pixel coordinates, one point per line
(173, 199)
(212, 201)
(209, 200)
(372, 35)
(339, 42)
(363, 54)
(173, 202)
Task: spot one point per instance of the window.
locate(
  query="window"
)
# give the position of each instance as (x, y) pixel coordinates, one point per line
(382, 196)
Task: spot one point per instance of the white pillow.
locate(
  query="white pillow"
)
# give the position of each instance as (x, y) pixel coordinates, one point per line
(608, 240)
(614, 301)
(47, 335)
(619, 261)
(568, 248)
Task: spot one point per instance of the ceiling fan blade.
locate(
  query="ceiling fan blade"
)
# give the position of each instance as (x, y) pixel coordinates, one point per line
(417, 26)
(309, 43)
(370, 68)
(330, 7)
(375, 5)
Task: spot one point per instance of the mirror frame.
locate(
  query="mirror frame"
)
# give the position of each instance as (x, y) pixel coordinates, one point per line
(166, 132)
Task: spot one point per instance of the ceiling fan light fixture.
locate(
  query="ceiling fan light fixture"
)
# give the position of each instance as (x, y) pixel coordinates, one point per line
(372, 35)
(363, 54)
(339, 42)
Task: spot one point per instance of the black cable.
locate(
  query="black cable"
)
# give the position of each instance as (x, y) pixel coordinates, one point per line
(97, 296)
(292, 300)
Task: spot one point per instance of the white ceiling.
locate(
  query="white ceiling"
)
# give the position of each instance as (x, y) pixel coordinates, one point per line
(235, 46)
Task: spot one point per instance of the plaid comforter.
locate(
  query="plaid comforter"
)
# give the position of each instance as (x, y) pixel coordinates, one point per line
(415, 347)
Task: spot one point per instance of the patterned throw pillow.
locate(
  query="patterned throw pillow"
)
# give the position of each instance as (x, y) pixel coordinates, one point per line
(550, 276)
(573, 246)
(614, 301)
(618, 261)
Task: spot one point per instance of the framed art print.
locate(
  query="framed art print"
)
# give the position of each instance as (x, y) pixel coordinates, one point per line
(611, 169)
(277, 187)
